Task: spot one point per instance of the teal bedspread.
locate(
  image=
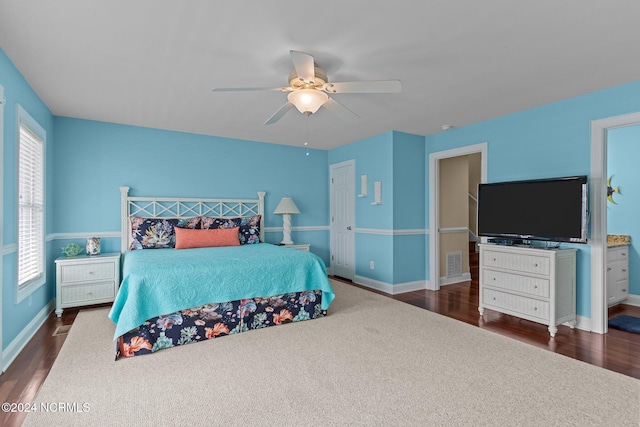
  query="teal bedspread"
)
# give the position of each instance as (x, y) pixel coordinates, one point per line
(163, 281)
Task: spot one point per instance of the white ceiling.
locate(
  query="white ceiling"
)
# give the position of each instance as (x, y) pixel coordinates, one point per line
(153, 62)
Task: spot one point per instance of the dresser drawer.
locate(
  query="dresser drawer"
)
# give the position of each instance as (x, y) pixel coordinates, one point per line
(87, 272)
(517, 304)
(515, 282)
(620, 253)
(78, 294)
(517, 262)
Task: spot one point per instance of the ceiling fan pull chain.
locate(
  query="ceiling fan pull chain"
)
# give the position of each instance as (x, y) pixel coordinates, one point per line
(306, 141)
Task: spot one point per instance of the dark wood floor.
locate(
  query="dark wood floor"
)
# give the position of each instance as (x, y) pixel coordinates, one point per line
(617, 351)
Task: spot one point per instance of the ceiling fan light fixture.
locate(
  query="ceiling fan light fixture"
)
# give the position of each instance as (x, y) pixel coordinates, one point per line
(307, 100)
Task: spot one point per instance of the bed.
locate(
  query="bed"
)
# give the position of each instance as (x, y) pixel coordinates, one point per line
(197, 269)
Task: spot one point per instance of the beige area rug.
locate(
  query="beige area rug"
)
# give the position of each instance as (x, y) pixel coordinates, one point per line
(371, 361)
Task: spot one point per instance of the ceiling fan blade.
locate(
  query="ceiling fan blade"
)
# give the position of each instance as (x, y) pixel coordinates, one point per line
(278, 114)
(304, 65)
(373, 86)
(340, 110)
(250, 89)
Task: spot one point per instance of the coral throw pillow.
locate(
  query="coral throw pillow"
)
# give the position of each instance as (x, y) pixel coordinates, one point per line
(187, 238)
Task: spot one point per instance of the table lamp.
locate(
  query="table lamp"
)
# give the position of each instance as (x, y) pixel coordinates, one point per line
(286, 208)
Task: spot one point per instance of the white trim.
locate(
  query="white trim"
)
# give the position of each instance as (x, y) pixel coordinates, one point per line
(633, 300)
(5, 247)
(434, 246)
(390, 289)
(106, 234)
(23, 338)
(444, 281)
(455, 230)
(388, 232)
(82, 235)
(9, 249)
(582, 323)
(598, 196)
(299, 228)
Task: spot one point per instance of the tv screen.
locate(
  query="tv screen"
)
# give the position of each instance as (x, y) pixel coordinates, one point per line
(544, 209)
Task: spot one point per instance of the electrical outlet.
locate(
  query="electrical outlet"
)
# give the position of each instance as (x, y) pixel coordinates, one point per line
(372, 265)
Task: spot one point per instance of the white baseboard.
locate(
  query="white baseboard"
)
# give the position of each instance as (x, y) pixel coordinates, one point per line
(452, 280)
(582, 323)
(388, 288)
(632, 300)
(23, 338)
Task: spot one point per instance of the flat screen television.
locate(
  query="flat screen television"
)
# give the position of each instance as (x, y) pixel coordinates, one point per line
(552, 209)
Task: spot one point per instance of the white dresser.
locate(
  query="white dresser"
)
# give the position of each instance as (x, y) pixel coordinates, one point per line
(85, 280)
(617, 274)
(534, 284)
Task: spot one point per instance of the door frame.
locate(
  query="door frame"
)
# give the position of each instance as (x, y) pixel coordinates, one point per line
(598, 196)
(352, 164)
(434, 202)
(2, 105)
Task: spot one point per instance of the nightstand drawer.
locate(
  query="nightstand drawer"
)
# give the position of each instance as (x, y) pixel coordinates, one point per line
(78, 294)
(87, 272)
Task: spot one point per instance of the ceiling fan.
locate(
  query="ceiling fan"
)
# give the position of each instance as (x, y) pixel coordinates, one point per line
(309, 88)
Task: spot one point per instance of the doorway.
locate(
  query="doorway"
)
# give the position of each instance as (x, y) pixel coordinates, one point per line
(342, 211)
(598, 190)
(435, 269)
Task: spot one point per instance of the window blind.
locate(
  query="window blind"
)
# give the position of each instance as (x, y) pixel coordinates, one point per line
(31, 207)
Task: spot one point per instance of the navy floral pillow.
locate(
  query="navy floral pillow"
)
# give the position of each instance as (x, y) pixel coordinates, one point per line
(249, 226)
(157, 233)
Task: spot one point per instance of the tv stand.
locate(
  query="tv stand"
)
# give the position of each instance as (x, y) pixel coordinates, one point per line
(530, 283)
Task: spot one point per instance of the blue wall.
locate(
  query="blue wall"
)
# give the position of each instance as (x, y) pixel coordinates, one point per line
(551, 140)
(623, 152)
(15, 317)
(93, 159)
(397, 160)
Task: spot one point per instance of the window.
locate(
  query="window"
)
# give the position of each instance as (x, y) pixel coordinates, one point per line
(31, 253)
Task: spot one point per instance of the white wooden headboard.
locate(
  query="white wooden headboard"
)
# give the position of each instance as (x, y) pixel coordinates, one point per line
(168, 207)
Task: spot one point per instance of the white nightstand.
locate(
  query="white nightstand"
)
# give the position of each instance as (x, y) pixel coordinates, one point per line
(301, 247)
(85, 280)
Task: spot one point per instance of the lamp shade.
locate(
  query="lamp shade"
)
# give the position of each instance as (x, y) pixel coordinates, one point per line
(286, 206)
(307, 100)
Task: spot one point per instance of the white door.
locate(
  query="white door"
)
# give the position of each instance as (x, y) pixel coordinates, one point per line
(342, 208)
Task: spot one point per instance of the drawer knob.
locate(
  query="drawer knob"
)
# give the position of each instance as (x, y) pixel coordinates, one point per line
(624, 254)
(624, 290)
(494, 259)
(535, 286)
(535, 308)
(535, 265)
(624, 269)
(494, 298)
(608, 268)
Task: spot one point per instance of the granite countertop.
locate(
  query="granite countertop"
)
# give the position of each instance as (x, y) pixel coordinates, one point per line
(618, 240)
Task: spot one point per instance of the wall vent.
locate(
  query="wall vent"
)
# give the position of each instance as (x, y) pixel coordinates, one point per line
(454, 264)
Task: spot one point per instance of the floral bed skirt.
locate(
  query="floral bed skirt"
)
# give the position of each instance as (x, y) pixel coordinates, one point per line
(217, 320)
